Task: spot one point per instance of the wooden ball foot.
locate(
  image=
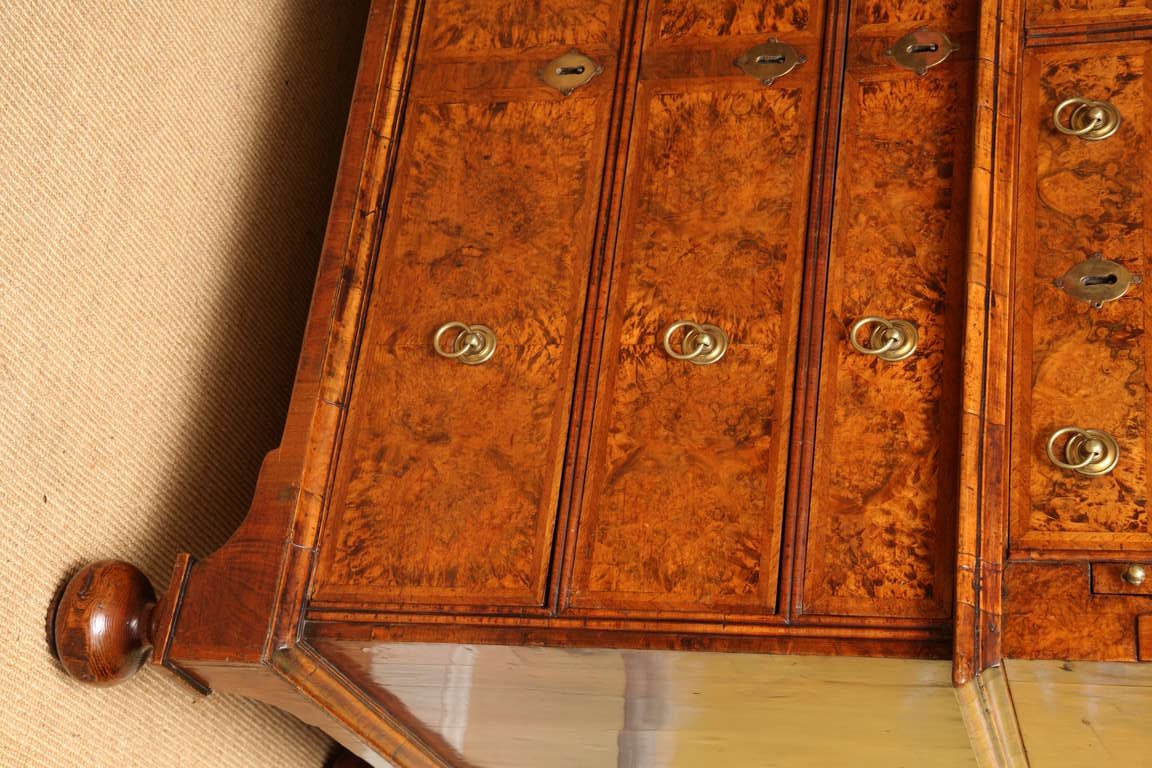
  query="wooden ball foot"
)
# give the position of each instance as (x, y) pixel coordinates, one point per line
(102, 628)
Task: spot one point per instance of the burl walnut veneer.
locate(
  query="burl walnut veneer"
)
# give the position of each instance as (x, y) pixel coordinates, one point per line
(606, 351)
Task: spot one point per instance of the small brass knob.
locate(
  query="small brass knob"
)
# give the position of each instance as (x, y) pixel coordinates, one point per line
(890, 340)
(1090, 120)
(1088, 451)
(1134, 575)
(702, 343)
(474, 344)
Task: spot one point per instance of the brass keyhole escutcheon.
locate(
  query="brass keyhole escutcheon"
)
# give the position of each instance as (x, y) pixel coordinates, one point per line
(1090, 452)
(1089, 120)
(702, 343)
(472, 345)
(890, 340)
(921, 50)
(768, 61)
(568, 72)
(1097, 280)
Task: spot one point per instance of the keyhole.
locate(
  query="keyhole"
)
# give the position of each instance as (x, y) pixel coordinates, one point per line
(770, 59)
(566, 71)
(1098, 280)
(923, 48)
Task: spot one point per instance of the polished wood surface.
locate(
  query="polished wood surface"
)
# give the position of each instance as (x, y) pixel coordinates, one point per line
(1051, 613)
(981, 509)
(102, 628)
(508, 707)
(990, 717)
(1075, 364)
(681, 508)
(1055, 16)
(447, 484)
(1117, 579)
(580, 490)
(881, 519)
(1082, 714)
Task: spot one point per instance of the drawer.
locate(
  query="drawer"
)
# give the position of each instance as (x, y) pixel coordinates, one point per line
(1081, 362)
(449, 473)
(1103, 14)
(1130, 578)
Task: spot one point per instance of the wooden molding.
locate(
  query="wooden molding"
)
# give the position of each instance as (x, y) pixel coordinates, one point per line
(990, 716)
(333, 694)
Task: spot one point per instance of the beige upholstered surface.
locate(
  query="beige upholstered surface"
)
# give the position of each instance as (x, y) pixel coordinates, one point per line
(165, 171)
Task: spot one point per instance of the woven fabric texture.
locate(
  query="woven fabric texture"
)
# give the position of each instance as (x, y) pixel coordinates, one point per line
(165, 174)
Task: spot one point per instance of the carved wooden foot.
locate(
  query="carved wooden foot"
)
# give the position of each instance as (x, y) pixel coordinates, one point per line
(103, 623)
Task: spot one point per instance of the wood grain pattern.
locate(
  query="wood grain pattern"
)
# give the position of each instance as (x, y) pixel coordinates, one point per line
(248, 595)
(1051, 613)
(1074, 364)
(881, 517)
(1144, 637)
(681, 509)
(449, 479)
(983, 507)
(454, 28)
(1108, 579)
(1052, 15)
(102, 623)
(695, 20)
(898, 17)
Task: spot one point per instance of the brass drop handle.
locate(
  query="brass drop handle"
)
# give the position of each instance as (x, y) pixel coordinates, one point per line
(1134, 574)
(890, 340)
(1089, 120)
(473, 344)
(1088, 451)
(702, 343)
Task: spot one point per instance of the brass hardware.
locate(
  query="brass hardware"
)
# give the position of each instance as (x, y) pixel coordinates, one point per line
(890, 340)
(702, 344)
(1088, 451)
(568, 72)
(1090, 120)
(474, 344)
(769, 60)
(921, 50)
(1134, 574)
(1097, 280)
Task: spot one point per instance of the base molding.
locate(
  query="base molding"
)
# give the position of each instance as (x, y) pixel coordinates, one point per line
(990, 717)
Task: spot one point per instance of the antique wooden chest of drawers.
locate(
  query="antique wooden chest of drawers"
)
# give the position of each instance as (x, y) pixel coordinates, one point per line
(774, 327)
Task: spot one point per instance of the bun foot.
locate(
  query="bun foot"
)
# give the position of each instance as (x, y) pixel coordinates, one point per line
(102, 627)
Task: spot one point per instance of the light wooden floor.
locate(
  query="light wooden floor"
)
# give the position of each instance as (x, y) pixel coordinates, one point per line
(1083, 715)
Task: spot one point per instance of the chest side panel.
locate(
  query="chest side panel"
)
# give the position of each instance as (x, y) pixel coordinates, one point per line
(682, 502)
(882, 507)
(448, 480)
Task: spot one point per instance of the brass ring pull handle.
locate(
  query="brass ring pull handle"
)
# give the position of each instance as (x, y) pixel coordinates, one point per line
(1090, 120)
(1088, 451)
(474, 344)
(890, 340)
(702, 343)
